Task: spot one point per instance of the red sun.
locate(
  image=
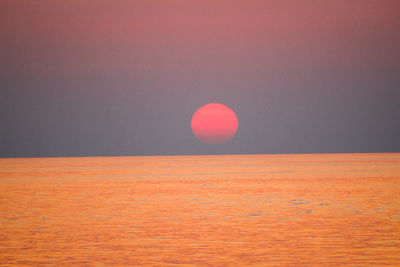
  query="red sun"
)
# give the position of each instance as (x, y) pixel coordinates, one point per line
(214, 123)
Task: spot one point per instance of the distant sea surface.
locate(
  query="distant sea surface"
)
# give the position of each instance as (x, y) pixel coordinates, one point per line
(240, 210)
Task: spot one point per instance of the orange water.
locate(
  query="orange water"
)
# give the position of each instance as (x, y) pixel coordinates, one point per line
(264, 210)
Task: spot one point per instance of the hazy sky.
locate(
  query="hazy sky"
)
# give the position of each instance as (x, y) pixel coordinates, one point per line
(105, 78)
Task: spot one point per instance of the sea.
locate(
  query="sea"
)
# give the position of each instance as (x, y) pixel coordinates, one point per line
(220, 210)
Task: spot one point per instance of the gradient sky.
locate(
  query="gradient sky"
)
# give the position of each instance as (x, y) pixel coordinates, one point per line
(109, 78)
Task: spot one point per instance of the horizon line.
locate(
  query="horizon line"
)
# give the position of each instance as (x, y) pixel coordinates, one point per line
(201, 155)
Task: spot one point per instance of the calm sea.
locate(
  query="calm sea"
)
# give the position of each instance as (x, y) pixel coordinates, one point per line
(244, 210)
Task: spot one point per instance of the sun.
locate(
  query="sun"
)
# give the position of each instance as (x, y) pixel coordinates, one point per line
(214, 123)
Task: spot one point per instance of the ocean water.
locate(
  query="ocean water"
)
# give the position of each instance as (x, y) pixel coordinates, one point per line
(241, 210)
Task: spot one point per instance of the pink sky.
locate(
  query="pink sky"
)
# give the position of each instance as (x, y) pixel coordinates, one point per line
(112, 35)
(125, 77)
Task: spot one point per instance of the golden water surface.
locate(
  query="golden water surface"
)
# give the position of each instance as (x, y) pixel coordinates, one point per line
(244, 210)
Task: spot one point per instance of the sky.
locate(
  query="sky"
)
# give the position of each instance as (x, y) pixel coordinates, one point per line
(123, 78)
